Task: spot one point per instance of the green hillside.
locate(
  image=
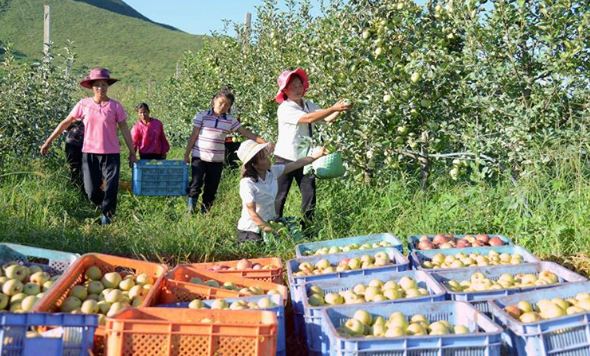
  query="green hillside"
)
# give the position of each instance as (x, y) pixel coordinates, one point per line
(105, 33)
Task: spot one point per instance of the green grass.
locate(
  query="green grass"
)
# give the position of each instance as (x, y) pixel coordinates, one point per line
(548, 214)
(112, 35)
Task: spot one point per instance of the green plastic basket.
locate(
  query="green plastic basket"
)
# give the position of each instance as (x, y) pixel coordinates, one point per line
(329, 166)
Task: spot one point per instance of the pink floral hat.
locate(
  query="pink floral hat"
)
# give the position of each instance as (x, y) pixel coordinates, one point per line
(284, 79)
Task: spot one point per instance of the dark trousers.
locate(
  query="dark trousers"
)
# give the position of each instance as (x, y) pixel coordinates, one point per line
(204, 176)
(74, 159)
(151, 156)
(244, 236)
(307, 188)
(99, 167)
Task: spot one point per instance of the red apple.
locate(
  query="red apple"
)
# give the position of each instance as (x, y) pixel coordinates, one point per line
(483, 238)
(425, 245)
(424, 238)
(440, 239)
(496, 241)
(243, 264)
(477, 243)
(446, 245)
(461, 243)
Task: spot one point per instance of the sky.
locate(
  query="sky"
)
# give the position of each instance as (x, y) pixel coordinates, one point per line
(198, 17)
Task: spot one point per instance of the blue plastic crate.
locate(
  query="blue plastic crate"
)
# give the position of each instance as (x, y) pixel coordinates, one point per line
(486, 342)
(316, 338)
(303, 250)
(160, 177)
(77, 338)
(568, 335)
(296, 284)
(52, 261)
(480, 299)
(279, 310)
(414, 239)
(417, 257)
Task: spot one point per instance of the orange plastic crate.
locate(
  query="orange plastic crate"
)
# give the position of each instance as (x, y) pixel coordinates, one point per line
(176, 287)
(274, 275)
(171, 331)
(74, 275)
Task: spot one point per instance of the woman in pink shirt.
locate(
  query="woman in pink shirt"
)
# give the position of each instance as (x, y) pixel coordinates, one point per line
(101, 161)
(148, 135)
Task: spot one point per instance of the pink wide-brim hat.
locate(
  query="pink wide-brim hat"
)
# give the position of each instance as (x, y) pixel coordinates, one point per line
(284, 79)
(97, 74)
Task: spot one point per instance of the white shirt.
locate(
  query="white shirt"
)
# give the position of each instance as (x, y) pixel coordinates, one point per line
(291, 132)
(263, 193)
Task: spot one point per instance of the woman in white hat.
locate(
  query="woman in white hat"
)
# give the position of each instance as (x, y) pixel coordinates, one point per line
(259, 187)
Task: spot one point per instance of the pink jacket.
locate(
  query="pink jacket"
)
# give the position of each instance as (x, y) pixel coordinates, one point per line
(150, 138)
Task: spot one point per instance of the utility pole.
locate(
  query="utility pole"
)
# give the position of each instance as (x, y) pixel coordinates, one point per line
(247, 28)
(46, 29)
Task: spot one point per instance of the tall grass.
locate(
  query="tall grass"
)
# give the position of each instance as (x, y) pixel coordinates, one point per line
(547, 212)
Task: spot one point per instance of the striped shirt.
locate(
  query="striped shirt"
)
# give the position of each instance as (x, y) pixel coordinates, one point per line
(210, 145)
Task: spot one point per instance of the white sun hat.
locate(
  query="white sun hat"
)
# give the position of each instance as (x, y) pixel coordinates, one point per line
(248, 149)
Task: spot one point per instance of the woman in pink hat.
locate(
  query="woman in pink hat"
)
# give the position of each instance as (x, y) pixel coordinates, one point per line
(101, 116)
(259, 187)
(296, 117)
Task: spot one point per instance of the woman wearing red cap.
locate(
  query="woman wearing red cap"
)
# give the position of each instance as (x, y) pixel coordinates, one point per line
(101, 116)
(296, 117)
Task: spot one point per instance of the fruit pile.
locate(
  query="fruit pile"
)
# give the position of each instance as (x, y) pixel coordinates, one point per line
(478, 282)
(324, 266)
(461, 260)
(347, 248)
(242, 265)
(23, 286)
(449, 241)
(106, 294)
(375, 291)
(549, 309)
(364, 324)
(264, 303)
(245, 291)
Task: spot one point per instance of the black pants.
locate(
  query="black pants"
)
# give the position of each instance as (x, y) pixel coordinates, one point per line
(150, 156)
(244, 236)
(99, 167)
(307, 188)
(74, 159)
(205, 176)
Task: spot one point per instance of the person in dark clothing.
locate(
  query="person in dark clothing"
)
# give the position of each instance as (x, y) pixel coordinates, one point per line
(74, 140)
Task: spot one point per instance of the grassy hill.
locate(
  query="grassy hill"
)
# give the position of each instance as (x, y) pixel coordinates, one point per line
(105, 33)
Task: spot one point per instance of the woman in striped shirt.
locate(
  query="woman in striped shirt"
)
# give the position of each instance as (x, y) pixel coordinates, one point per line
(206, 148)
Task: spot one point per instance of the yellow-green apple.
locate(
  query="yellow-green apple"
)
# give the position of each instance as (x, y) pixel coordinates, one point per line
(334, 299)
(12, 287)
(70, 303)
(31, 289)
(89, 307)
(93, 273)
(364, 317)
(126, 284)
(40, 277)
(79, 291)
(111, 280)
